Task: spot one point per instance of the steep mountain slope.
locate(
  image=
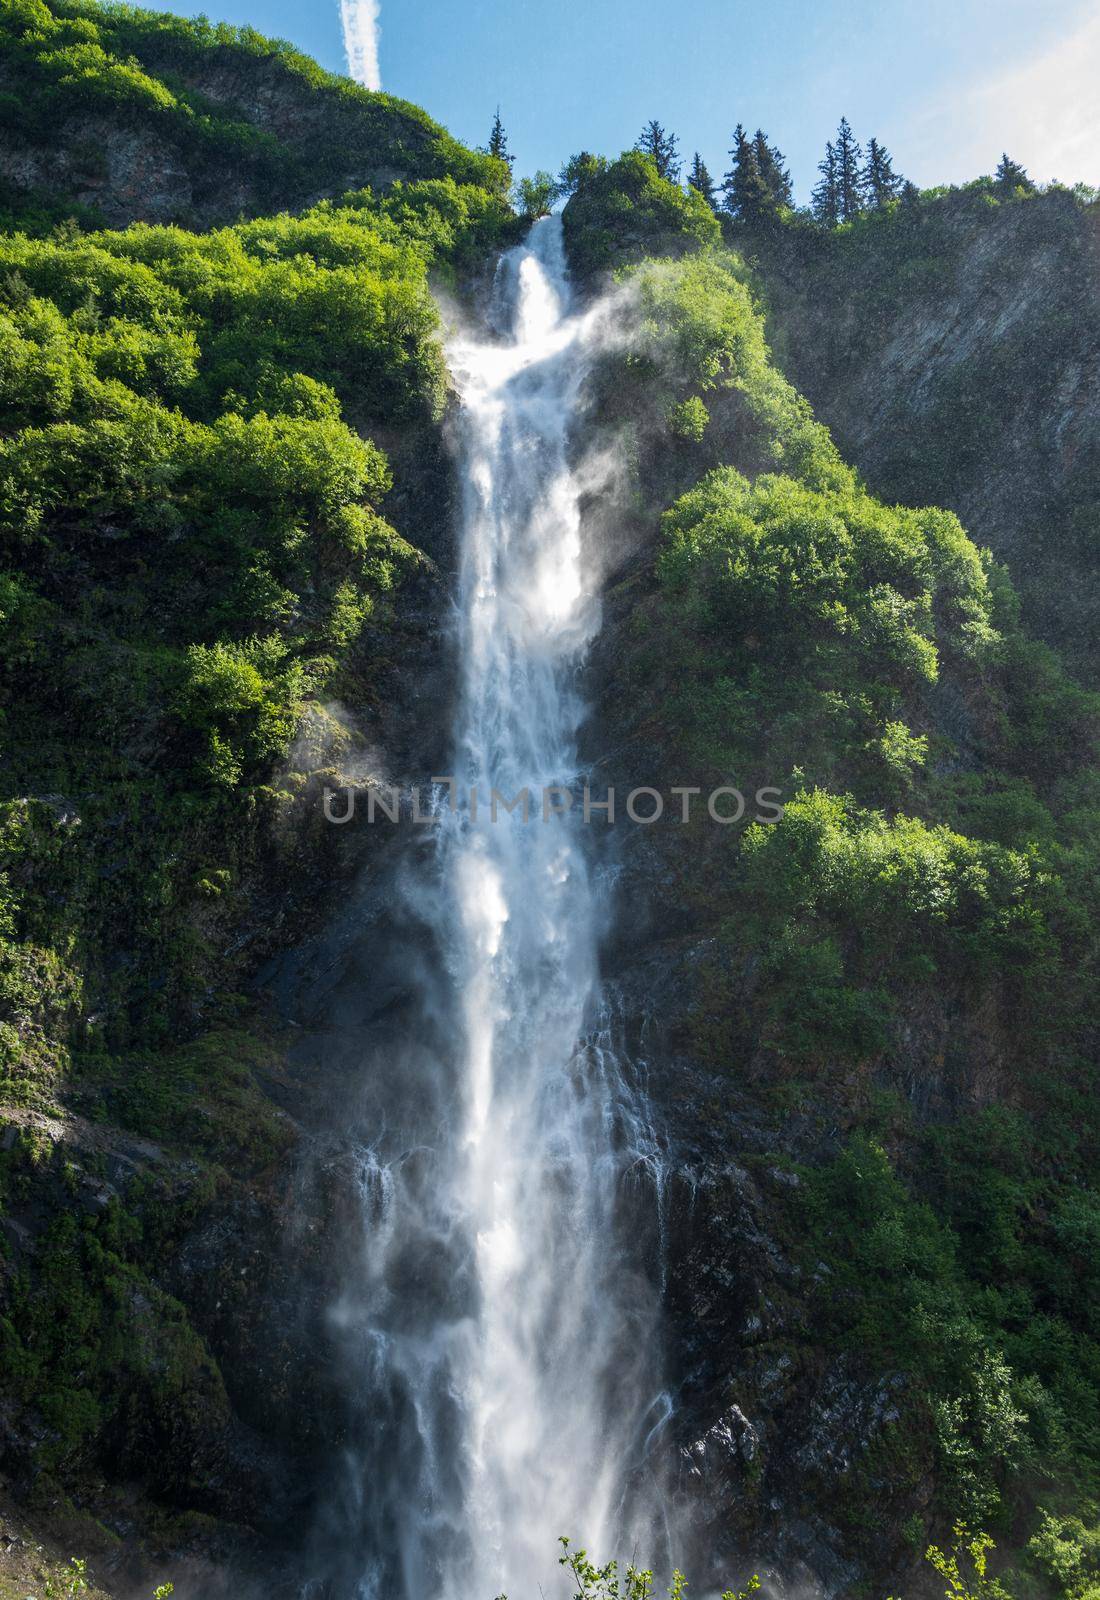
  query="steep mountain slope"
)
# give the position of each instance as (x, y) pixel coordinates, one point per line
(128, 115)
(870, 1028)
(953, 347)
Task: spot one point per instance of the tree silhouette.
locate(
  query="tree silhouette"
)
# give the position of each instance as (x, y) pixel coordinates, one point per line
(662, 149)
(880, 182)
(745, 194)
(1011, 177)
(701, 181)
(770, 162)
(498, 140)
(578, 170)
(849, 198)
(824, 201)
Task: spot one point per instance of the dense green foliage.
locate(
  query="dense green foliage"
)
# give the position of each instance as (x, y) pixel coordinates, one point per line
(190, 86)
(961, 1260)
(825, 603)
(191, 545)
(922, 927)
(626, 210)
(100, 1352)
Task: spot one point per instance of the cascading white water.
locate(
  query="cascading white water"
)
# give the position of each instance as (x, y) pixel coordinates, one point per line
(552, 1390)
(520, 1387)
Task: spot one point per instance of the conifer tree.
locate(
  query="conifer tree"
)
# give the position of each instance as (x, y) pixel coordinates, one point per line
(498, 140)
(745, 194)
(849, 200)
(770, 162)
(729, 203)
(824, 200)
(662, 149)
(701, 181)
(1011, 176)
(879, 181)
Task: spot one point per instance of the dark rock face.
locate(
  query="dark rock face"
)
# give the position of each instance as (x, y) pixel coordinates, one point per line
(124, 174)
(273, 138)
(774, 1436)
(957, 363)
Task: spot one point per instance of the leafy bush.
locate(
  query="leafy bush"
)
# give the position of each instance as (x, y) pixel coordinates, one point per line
(1066, 1550)
(848, 909)
(625, 211)
(191, 547)
(805, 619)
(611, 1582)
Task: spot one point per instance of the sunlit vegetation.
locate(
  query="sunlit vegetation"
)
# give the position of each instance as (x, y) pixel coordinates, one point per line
(197, 433)
(184, 82)
(192, 539)
(934, 868)
(627, 210)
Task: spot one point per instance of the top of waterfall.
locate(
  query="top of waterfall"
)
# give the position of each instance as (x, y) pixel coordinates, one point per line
(543, 300)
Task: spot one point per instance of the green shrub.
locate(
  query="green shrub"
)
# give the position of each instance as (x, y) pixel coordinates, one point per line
(626, 211)
(809, 618)
(190, 548)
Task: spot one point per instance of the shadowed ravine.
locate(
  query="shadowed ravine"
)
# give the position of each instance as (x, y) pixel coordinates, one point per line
(502, 1320)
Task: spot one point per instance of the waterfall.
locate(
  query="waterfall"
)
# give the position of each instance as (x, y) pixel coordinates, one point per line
(505, 1320)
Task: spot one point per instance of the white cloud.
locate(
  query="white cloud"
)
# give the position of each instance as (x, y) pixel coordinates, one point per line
(1045, 112)
(359, 19)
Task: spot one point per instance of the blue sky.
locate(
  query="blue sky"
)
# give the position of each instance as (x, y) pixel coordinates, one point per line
(946, 84)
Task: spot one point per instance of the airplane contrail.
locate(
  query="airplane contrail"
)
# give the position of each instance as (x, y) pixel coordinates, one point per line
(359, 20)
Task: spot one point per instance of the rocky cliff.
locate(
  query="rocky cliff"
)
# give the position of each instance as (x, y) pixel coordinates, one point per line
(953, 347)
(817, 1144)
(130, 116)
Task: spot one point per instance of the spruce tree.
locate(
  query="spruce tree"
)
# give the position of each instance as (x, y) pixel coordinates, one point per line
(662, 149)
(498, 140)
(880, 182)
(849, 200)
(770, 162)
(1011, 176)
(745, 194)
(701, 181)
(729, 203)
(824, 200)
